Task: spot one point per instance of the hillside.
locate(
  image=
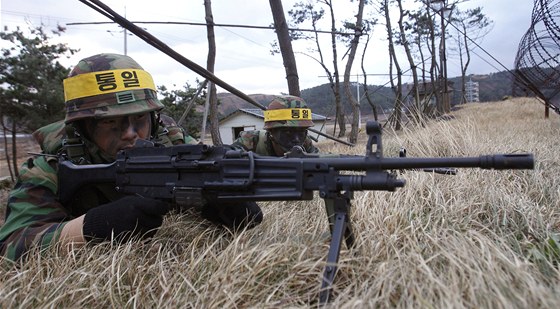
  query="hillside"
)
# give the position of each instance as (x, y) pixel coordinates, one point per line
(492, 87)
(230, 103)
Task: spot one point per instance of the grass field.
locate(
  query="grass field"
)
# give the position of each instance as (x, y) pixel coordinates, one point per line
(479, 239)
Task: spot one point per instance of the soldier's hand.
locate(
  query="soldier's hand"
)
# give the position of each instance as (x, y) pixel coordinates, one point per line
(234, 215)
(124, 218)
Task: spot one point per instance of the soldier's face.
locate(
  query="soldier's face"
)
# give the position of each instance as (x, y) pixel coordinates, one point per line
(289, 137)
(116, 133)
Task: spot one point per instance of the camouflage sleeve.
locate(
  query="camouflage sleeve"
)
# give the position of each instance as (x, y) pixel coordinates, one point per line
(34, 217)
(247, 141)
(176, 135)
(172, 131)
(309, 147)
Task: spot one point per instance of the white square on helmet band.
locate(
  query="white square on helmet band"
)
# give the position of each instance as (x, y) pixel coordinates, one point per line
(124, 97)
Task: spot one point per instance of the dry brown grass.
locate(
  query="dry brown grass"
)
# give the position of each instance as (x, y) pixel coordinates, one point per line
(480, 239)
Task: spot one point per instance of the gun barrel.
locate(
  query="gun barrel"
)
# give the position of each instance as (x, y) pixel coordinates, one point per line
(509, 161)
(497, 161)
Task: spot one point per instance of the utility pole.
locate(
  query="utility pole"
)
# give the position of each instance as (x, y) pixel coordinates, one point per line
(125, 34)
(358, 99)
(125, 31)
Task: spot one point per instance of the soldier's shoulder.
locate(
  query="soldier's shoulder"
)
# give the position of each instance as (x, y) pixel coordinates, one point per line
(309, 147)
(50, 136)
(250, 134)
(170, 133)
(40, 171)
(167, 120)
(249, 139)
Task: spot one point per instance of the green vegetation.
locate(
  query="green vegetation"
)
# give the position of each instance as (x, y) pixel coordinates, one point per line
(177, 101)
(31, 76)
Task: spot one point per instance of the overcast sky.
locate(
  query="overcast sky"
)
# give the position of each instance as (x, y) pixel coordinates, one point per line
(243, 55)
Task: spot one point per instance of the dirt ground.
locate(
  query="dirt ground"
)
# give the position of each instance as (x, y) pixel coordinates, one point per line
(24, 145)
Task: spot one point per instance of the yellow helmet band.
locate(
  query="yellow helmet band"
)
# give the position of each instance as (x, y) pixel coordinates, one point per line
(287, 114)
(103, 82)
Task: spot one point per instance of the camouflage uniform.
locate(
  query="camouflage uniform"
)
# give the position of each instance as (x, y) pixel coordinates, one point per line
(258, 141)
(34, 216)
(170, 132)
(294, 108)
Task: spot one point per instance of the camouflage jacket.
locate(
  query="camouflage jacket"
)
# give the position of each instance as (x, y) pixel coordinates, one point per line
(258, 142)
(34, 216)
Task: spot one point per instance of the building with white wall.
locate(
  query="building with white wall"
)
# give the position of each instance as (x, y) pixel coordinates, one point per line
(247, 119)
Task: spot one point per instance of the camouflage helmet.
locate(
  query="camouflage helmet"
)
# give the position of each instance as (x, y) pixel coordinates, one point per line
(287, 111)
(108, 85)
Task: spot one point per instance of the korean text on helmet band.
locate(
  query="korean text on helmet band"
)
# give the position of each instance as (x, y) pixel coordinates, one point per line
(103, 82)
(287, 114)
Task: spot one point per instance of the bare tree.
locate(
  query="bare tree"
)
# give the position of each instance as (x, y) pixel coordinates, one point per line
(403, 40)
(420, 25)
(358, 31)
(395, 118)
(339, 108)
(471, 26)
(434, 68)
(303, 12)
(210, 62)
(368, 25)
(285, 43)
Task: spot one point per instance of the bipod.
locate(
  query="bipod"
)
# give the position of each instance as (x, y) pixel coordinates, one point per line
(338, 212)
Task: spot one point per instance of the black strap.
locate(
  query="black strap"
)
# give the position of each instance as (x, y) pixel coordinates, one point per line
(74, 146)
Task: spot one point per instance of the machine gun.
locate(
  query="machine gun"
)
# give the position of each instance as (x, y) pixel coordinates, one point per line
(191, 175)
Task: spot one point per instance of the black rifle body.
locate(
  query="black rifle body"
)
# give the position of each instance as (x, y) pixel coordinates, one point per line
(185, 173)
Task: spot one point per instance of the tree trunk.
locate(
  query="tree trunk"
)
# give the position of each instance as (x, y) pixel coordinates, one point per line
(285, 43)
(210, 62)
(435, 82)
(14, 151)
(416, 111)
(8, 163)
(355, 102)
(463, 77)
(205, 116)
(396, 116)
(443, 67)
(331, 76)
(468, 56)
(366, 91)
(425, 101)
(336, 87)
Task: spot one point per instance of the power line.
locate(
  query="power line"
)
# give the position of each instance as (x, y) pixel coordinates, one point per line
(213, 24)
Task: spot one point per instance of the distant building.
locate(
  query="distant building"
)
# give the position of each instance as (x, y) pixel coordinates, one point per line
(247, 119)
(471, 89)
